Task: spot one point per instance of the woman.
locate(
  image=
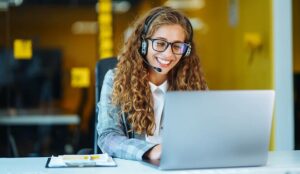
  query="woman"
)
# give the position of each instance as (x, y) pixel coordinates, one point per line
(158, 56)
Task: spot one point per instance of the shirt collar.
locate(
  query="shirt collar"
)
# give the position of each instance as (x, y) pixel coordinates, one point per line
(163, 87)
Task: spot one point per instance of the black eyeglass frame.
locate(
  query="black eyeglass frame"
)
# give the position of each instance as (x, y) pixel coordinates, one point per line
(187, 45)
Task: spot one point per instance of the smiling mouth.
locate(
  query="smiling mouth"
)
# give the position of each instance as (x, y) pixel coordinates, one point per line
(163, 62)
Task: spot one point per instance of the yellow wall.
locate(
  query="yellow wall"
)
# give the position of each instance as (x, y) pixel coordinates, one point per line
(224, 53)
(296, 35)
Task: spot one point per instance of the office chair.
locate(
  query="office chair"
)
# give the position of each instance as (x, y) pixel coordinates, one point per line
(102, 67)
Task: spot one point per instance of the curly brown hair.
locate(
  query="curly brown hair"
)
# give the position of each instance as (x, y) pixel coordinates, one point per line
(131, 89)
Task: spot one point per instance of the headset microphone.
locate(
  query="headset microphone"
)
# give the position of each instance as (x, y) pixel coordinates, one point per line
(157, 69)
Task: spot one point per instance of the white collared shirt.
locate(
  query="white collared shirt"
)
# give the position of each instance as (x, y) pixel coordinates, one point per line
(158, 94)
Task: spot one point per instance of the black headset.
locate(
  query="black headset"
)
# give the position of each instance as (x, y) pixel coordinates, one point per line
(144, 43)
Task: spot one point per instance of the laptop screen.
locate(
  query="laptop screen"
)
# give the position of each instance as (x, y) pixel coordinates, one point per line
(205, 129)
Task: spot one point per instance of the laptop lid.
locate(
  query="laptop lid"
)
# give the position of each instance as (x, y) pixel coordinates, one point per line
(208, 129)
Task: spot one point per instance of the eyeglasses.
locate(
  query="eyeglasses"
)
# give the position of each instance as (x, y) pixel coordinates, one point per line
(178, 48)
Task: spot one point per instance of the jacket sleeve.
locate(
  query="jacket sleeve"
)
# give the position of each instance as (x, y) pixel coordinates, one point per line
(112, 138)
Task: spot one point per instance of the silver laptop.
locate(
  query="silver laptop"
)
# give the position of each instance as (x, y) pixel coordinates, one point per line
(215, 129)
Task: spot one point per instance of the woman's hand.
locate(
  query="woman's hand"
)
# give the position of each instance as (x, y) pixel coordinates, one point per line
(154, 153)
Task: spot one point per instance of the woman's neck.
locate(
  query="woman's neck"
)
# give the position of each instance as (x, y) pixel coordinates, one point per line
(157, 78)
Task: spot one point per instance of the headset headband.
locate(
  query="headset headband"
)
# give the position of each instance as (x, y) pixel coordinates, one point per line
(151, 18)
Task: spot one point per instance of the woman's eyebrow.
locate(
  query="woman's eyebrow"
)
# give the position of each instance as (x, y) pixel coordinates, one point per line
(163, 38)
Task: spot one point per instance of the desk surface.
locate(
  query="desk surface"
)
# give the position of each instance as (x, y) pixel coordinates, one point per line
(279, 162)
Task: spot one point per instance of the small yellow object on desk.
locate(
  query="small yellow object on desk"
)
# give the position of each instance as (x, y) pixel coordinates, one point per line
(81, 157)
(95, 157)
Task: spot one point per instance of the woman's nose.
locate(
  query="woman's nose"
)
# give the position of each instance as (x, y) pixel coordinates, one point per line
(169, 52)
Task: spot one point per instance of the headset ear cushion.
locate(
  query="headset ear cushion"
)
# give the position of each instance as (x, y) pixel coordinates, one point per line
(144, 47)
(188, 51)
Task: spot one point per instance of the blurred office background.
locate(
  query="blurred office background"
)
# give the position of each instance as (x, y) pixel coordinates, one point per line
(49, 48)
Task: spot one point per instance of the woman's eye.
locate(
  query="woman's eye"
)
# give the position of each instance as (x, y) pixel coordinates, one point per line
(177, 46)
(160, 43)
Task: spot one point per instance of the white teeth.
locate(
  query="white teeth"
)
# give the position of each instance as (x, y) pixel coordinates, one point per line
(163, 61)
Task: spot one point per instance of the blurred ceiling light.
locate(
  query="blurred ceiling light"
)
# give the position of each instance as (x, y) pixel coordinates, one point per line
(84, 27)
(16, 2)
(187, 4)
(4, 4)
(198, 24)
(121, 6)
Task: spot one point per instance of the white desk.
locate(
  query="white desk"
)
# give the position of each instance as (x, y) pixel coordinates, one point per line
(278, 163)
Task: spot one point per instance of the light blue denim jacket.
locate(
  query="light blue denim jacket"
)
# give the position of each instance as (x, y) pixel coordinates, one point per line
(114, 136)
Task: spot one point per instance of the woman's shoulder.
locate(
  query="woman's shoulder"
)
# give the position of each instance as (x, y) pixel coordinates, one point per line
(110, 74)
